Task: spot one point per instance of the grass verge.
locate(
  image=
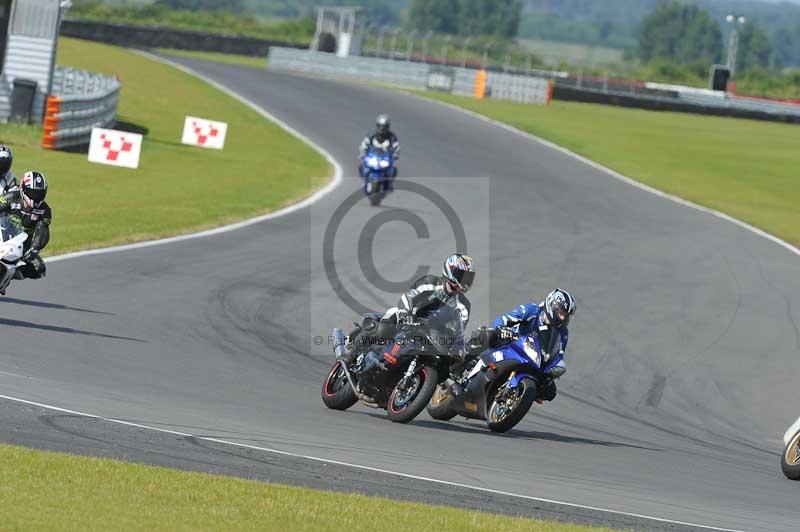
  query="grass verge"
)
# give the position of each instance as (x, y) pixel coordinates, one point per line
(177, 188)
(231, 59)
(43, 490)
(745, 168)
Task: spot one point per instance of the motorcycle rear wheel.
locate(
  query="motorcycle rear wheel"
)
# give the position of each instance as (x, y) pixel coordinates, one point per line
(406, 404)
(441, 405)
(790, 460)
(337, 394)
(503, 413)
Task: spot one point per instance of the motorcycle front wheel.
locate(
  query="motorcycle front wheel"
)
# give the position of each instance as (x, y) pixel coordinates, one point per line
(337, 394)
(375, 198)
(405, 403)
(790, 460)
(441, 405)
(506, 407)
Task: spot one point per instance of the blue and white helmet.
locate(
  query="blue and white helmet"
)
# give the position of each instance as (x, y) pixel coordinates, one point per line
(560, 307)
(459, 272)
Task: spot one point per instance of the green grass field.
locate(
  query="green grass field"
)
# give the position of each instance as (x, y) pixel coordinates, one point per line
(231, 59)
(52, 491)
(745, 168)
(177, 188)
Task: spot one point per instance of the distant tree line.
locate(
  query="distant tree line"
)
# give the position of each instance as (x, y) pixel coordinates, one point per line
(686, 34)
(233, 6)
(498, 18)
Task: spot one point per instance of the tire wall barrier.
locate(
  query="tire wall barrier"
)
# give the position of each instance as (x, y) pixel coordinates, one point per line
(666, 103)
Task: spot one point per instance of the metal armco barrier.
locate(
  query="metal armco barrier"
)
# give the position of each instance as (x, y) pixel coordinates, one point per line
(415, 75)
(521, 89)
(80, 102)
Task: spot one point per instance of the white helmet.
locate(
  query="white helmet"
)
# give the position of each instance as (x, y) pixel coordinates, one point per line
(459, 272)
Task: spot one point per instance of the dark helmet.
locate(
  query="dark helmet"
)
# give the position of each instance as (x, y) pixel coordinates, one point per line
(34, 188)
(459, 272)
(6, 158)
(383, 125)
(560, 307)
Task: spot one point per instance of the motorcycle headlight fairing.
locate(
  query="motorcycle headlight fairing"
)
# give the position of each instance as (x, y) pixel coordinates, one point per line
(533, 353)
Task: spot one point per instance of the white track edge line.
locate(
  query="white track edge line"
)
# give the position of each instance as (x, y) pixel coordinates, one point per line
(613, 173)
(334, 182)
(363, 467)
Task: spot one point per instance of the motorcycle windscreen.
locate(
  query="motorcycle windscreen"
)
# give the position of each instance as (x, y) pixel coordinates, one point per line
(446, 330)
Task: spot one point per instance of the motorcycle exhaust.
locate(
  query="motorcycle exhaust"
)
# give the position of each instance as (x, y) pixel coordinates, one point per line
(339, 351)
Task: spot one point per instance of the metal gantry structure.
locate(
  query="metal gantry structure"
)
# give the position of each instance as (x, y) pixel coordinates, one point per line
(733, 43)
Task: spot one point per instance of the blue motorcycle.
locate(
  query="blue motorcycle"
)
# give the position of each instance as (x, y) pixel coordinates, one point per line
(502, 386)
(378, 171)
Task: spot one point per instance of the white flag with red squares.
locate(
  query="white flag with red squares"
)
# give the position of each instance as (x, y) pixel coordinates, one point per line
(117, 148)
(204, 133)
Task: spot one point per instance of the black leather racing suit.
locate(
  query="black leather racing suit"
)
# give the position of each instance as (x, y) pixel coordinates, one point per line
(424, 296)
(36, 223)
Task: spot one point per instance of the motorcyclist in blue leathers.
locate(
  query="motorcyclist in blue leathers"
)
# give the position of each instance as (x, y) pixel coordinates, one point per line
(384, 138)
(548, 319)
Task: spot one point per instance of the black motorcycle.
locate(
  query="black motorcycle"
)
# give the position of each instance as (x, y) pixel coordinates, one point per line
(394, 367)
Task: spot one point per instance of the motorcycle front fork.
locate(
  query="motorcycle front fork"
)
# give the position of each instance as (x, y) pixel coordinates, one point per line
(412, 369)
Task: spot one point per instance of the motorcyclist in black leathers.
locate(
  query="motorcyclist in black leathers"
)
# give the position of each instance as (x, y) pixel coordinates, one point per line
(26, 208)
(425, 295)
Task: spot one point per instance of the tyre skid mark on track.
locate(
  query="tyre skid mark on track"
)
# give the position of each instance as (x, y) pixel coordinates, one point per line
(363, 467)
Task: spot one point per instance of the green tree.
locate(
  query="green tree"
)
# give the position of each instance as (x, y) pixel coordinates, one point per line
(500, 18)
(434, 15)
(680, 33)
(234, 6)
(755, 50)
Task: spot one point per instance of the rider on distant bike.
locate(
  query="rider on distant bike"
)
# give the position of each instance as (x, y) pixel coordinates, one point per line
(382, 138)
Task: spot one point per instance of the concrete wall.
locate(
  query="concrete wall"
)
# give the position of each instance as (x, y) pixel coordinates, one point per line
(27, 58)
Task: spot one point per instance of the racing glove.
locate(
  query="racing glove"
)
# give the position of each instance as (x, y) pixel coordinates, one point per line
(505, 334)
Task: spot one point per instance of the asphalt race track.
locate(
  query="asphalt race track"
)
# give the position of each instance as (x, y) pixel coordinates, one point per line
(683, 359)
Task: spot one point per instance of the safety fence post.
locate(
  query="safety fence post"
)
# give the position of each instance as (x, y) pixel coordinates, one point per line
(480, 84)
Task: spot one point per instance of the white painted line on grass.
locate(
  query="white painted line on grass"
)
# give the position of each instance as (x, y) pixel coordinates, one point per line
(310, 200)
(363, 467)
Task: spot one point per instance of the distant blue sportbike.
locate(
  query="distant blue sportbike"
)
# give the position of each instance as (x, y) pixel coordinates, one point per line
(378, 172)
(502, 386)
